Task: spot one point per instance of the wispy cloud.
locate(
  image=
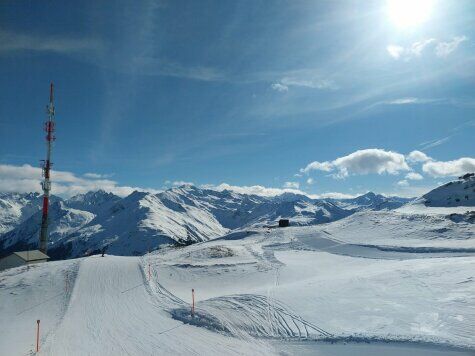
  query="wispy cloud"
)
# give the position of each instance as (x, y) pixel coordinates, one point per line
(11, 41)
(292, 185)
(443, 49)
(279, 87)
(96, 175)
(302, 78)
(434, 143)
(440, 48)
(410, 101)
(414, 176)
(313, 83)
(159, 66)
(403, 183)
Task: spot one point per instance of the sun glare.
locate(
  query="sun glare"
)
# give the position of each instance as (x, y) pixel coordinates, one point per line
(409, 13)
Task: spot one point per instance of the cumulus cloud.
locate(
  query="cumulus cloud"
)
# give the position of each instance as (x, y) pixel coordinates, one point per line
(414, 176)
(26, 178)
(449, 168)
(293, 185)
(418, 156)
(361, 162)
(416, 49)
(310, 181)
(318, 166)
(279, 87)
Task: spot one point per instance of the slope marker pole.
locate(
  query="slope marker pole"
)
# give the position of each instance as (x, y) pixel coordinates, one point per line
(38, 335)
(149, 274)
(192, 302)
(66, 284)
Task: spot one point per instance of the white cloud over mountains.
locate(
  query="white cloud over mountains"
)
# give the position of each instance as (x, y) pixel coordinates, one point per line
(372, 160)
(449, 168)
(379, 161)
(26, 179)
(253, 190)
(179, 183)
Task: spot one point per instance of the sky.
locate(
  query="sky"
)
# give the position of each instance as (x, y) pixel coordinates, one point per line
(329, 98)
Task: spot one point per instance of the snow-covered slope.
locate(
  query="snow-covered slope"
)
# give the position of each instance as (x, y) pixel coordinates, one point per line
(372, 201)
(457, 193)
(129, 226)
(64, 222)
(394, 229)
(235, 210)
(291, 291)
(143, 221)
(93, 201)
(17, 207)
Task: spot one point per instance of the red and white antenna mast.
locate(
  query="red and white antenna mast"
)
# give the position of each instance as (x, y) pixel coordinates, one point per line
(46, 184)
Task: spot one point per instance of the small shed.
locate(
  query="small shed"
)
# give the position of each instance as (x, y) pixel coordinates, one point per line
(22, 258)
(284, 222)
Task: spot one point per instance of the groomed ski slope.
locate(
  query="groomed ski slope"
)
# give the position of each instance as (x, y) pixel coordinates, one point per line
(112, 312)
(284, 291)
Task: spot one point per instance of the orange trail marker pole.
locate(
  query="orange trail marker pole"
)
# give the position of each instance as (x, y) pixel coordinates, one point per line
(193, 302)
(38, 335)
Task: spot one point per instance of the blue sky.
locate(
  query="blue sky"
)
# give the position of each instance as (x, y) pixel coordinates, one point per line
(245, 93)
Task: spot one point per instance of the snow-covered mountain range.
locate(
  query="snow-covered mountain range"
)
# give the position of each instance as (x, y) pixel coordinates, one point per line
(143, 221)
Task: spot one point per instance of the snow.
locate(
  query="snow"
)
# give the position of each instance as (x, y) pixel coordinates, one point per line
(457, 193)
(112, 312)
(27, 294)
(262, 291)
(143, 221)
(368, 280)
(418, 298)
(399, 228)
(15, 208)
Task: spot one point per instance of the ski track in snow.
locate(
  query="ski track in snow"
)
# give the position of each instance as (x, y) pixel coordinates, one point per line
(112, 312)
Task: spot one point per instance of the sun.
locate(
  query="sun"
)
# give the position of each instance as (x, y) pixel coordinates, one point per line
(409, 13)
